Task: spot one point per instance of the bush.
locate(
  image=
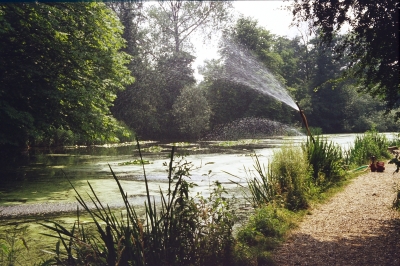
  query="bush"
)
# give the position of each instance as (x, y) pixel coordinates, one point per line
(371, 143)
(289, 167)
(263, 232)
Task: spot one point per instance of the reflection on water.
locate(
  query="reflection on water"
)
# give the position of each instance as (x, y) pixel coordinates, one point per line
(39, 175)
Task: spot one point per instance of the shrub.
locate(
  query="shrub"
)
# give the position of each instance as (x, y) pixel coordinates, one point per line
(371, 143)
(261, 234)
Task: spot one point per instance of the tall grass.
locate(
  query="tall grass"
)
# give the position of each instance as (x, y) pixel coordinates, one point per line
(14, 249)
(264, 231)
(182, 231)
(326, 161)
(284, 181)
(371, 143)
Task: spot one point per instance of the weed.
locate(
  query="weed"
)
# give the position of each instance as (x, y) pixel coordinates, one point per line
(290, 168)
(182, 231)
(325, 159)
(284, 181)
(13, 246)
(135, 162)
(263, 232)
(371, 143)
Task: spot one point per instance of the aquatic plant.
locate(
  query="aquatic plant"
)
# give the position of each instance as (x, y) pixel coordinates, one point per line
(13, 246)
(182, 231)
(283, 183)
(135, 162)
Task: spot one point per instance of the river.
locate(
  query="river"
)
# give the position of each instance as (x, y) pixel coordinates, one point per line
(38, 181)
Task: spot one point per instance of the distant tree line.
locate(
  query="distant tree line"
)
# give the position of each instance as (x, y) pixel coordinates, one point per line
(95, 73)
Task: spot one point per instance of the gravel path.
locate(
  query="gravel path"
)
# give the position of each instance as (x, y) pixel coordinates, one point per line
(356, 227)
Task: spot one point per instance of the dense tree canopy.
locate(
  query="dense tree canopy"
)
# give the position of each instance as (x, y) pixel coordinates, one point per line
(372, 46)
(64, 66)
(60, 68)
(162, 52)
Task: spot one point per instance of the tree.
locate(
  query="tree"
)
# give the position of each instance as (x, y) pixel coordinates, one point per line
(60, 67)
(138, 105)
(160, 40)
(372, 44)
(191, 112)
(260, 41)
(173, 23)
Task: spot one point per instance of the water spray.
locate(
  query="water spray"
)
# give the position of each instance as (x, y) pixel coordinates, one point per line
(303, 117)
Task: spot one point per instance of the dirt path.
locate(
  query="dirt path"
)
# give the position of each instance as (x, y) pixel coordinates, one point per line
(356, 227)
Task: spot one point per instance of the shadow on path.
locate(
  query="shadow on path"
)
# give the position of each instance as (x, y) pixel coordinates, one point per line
(380, 246)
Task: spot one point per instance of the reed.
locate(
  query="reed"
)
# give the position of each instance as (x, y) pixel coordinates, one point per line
(326, 161)
(182, 231)
(282, 183)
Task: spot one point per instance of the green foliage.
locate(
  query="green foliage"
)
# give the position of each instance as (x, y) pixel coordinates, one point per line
(290, 168)
(191, 112)
(261, 234)
(371, 143)
(153, 149)
(371, 45)
(161, 45)
(284, 183)
(325, 160)
(262, 185)
(13, 246)
(237, 142)
(61, 67)
(182, 231)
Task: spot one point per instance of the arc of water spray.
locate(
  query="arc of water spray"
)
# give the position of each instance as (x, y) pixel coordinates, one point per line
(244, 68)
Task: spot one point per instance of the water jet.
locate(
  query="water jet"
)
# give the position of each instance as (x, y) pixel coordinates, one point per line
(242, 67)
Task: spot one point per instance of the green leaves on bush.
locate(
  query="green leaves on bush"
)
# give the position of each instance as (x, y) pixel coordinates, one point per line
(369, 144)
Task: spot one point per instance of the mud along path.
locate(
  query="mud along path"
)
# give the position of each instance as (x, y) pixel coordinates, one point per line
(356, 227)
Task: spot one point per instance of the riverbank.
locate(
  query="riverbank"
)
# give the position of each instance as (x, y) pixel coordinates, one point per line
(356, 227)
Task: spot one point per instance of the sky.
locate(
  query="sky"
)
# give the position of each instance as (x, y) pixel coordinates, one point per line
(269, 14)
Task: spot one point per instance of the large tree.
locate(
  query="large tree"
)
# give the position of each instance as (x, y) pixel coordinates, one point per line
(174, 23)
(159, 38)
(372, 44)
(60, 68)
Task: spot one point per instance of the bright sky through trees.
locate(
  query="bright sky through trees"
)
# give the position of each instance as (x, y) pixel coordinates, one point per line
(270, 14)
